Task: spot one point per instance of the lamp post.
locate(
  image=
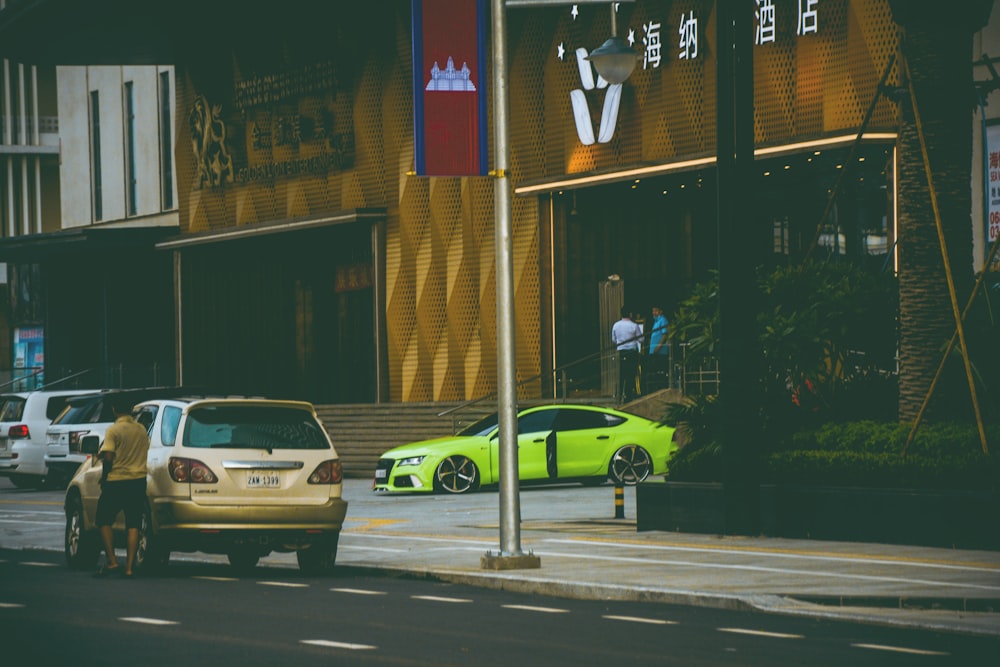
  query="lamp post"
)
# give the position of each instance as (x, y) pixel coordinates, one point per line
(510, 555)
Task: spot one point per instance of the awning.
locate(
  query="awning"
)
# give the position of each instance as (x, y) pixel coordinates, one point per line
(37, 247)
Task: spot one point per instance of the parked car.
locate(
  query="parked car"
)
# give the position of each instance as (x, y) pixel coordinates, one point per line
(24, 418)
(234, 476)
(555, 443)
(87, 414)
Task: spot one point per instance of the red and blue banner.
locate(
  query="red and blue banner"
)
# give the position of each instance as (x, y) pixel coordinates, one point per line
(449, 87)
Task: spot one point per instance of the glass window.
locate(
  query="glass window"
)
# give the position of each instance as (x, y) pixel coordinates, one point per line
(533, 422)
(81, 412)
(146, 416)
(132, 189)
(95, 154)
(13, 408)
(481, 427)
(575, 420)
(55, 405)
(253, 427)
(169, 424)
(166, 144)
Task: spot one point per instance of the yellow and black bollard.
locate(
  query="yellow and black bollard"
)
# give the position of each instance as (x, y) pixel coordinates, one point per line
(619, 501)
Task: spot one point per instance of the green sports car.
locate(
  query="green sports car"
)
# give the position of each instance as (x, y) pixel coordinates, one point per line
(555, 443)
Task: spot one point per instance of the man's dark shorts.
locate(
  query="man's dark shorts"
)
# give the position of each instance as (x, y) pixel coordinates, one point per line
(127, 495)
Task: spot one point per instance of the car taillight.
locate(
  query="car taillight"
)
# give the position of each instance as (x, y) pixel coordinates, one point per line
(18, 431)
(74, 439)
(327, 472)
(190, 470)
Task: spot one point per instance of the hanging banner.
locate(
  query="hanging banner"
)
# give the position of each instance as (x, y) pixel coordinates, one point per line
(993, 189)
(449, 96)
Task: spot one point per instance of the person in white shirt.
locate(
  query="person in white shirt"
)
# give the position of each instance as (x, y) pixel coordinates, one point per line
(626, 336)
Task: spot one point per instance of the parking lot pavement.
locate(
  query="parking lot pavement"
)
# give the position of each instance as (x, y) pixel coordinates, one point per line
(585, 552)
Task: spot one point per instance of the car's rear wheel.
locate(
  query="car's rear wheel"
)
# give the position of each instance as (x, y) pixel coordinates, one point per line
(630, 465)
(80, 546)
(318, 558)
(456, 474)
(243, 560)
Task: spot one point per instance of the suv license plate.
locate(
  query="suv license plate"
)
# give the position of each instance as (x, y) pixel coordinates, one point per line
(263, 479)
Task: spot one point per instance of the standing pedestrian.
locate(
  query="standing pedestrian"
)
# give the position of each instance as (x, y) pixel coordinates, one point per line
(626, 336)
(123, 485)
(659, 351)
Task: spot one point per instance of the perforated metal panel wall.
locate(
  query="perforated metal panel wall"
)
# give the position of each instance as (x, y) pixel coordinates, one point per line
(440, 266)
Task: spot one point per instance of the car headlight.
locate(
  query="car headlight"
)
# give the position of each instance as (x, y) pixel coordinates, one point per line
(411, 461)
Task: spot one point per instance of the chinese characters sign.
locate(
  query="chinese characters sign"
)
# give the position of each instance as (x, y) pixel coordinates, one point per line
(993, 185)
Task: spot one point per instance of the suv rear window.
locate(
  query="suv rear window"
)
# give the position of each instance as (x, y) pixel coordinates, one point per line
(94, 411)
(13, 408)
(253, 427)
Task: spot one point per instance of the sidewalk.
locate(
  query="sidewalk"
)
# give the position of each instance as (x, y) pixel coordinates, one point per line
(934, 589)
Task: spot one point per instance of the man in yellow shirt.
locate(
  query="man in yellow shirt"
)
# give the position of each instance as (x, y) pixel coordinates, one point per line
(123, 484)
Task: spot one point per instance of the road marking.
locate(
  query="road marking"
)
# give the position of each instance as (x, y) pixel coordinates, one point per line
(37, 564)
(435, 598)
(329, 644)
(31, 502)
(10, 605)
(33, 523)
(899, 649)
(29, 513)
(544, 610)
(357, 548)
(146, 621)
(778, 553)
(205, 578)
(284, 584)
(773, 570)
(760, 633)
(358, 591)
(637, 619)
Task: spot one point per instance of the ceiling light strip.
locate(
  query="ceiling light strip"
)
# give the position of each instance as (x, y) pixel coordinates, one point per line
(660, 169)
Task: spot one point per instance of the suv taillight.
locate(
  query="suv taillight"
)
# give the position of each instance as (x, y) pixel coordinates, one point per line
(190, 470)
(74, 439)
(18, 431)
(327, 472)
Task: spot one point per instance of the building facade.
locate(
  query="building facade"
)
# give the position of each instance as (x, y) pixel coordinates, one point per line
(309, 260)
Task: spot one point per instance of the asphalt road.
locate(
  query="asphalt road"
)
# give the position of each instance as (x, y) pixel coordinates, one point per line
(199, 614)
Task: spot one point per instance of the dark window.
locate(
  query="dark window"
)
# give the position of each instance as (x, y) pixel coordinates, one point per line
(55, 405)
(131, 188)
(168, 426)
(253, 427)
(575, 420)
(82, 412)
(95, 154)
(166, 143)
(13, 408)
(533, 422)
(146, 416)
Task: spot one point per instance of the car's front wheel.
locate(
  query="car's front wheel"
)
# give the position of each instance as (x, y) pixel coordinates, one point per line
(630, 465)
(456, 474)
(318, 558)
(80, 545)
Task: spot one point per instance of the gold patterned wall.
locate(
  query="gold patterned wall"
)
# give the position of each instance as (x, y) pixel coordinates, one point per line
(353, 146)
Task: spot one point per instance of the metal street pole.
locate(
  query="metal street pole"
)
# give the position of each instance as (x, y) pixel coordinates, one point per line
(510, 555)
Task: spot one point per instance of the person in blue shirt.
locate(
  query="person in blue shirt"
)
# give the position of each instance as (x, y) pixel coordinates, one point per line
(658, 360)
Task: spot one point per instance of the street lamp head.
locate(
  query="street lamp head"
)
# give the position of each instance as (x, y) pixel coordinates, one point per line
(614, 60)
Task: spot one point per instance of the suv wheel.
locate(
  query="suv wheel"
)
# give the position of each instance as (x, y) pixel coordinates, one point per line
(318, 558)
(80, 546)
(151, 556)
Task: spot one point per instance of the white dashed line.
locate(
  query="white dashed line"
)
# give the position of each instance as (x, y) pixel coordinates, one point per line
(899, 649)
(36, 564)
(357, 591)
(204, 578)
(329, 644)
(434, 598)
(146, 621)
(283, 584)
(545, 610)
(10, 605)
(637, 619)
(760, 633)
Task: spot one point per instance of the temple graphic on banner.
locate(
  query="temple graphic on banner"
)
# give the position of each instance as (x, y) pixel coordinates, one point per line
(451, 79)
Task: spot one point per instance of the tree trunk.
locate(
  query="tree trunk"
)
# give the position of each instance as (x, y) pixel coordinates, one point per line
(937, 43)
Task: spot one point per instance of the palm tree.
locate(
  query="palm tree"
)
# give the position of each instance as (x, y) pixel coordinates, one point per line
(936, 42)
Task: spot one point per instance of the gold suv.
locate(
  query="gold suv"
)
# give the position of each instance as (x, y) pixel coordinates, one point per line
(234, 476)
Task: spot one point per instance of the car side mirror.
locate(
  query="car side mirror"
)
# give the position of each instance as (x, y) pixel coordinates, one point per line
(90, 444)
